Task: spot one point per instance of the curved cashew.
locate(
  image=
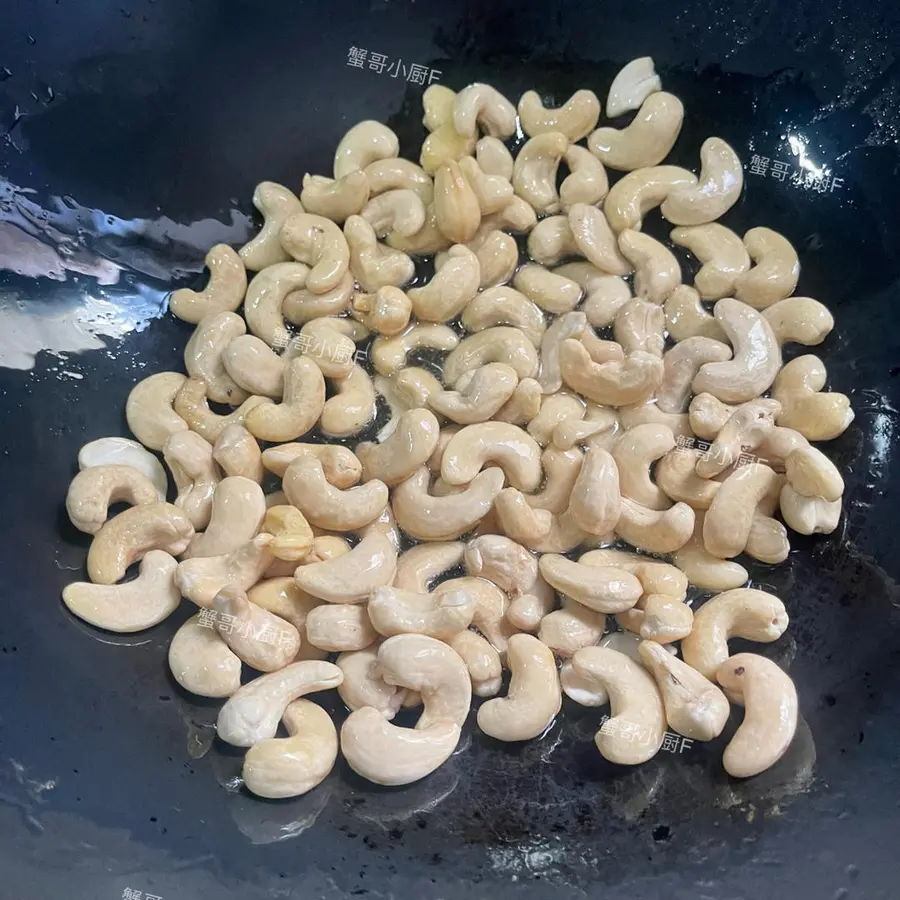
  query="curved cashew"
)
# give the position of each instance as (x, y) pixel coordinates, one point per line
(149, 409)
(363, 684)
(480, 105)
(635, 702)
(523, 405)
(809, 515)
(282, 597)
(431, 518)
(489, 617)
(605, 294)
(293, 534)
(721, 182)
(117, 451)
(492, 191)
(646, 141)
(677, 477)
(335, 199)
(587, 181)
(811, 473)
(340, 464)
(605, 589)
(768, 540)
(640, 325)
(201, 662)
(201, 578)
(439, 615)
(756, 360)
(649, 412)
(816, 414)
(552, 292)
(203, 355)
(340, 628)
(635, 194)
(493, 158)
(508, 446)
(742, 613)
(598, 427)
(352, 407)
(304, 400)
(799, 319)
(694, 707)
(420, 565)
(254, 366)
(134, 606)
(770, 719)
(596, 241)
(252, 713)
(538, 529)
(398, 211)
(302, 305)
(374, 265)
(497, 344)
(326, 506)
(352, 577)
(389, 354)
(776, 272)
(744, 431)
(595, 502)
(576, 118)
(534, 173)
(320, 244)
(224, 292)
(721, 251)
(362, 145)
(482, 662)
(497, 253)
(190, 458)
(276, 203)
(126, 538)
(534, 698)
(238, 453)
(567, 630)
(708, 415)
(192, 405)
(453, 286)
(504, 306)
(561, 472)
(614, 383)
(265, 299)
(705, 570)
(660, 618)
(414, 385)
(655, 577)
(445, 144)
(387, 311)
(680, 367)
(437, 102)
(394, 174)
(551, 240)
(686, 317)
(657, 272)
(482, 393)
(238, 509)
(556, 408)
(408, 446)
(94, 489)
(633, 84)
(517, 217)
(653, 530)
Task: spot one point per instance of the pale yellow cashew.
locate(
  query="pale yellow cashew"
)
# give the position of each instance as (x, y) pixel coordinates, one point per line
(489, 617)
(394, 174)
(517, 217)
(482, 661)
(705, 570)
(224, 291)
(677, 477)
(605, 589)
(373, 264)
(493, 158)
(534, 698)
(117, 451)
(414, 385)
(653, 530)
(770, 717)
(409, 445)
(237, 453)
(586, 182)
(721, 183)
(755, 361)
(633, 84)
(201, 662)
(200, 579)
(552, 292)
(149, 409)
(365, 143)
(387, 311)
(431, 518)
(538, 529)
(746, 428)
(775, 273)
(640, 325)
(127, 537)
(504, 306)
(657, 271)
(335, 199)
(741, 613)
(556, 408)
(451, 289)
(388, 354)
(492, 191)
(567, 630)
(429, 238)
(445, 144)
(400, 211)
(799, 319)
(635, 730)
(721, 251)
(93, 490)
(686, 317)
(523, 405)
(238, 509)
(192, 405)
(816, 414)
(634, 451)
(293, 534)
(481, 106)
(551, 241)
(282, 597)
(320, 244)
(190, 459)
(456, 207)
(203, 355)
(576, 118)
(613, 383)
(340, 628)
(655, 577)
(681, 365)
(254, 366)
(480, 395)
(708, 415)
(437, 102)
(604, 294)
(649, 412)
(635, 194)
(561, 471)
(363, 684)
(566, 326)
(420, 565)
(497, 344)
(595, 502)
(276, 203)
(352, 407)
(498, 256)
(340, 464)
(809, 515)
(658, 618)
(302, 404)
(438, 615)
(263, 307)
(500, 443)
(596, 241)
(646, 141)
(134, 606)
(534, 173)
(695, 707)
(811, 473)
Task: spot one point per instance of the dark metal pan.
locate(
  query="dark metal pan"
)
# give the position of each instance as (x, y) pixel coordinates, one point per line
(133, 133)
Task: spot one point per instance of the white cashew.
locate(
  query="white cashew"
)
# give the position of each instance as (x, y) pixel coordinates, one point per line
(681, 365)
(811, 473)
(635, 194)
(401, 211)
(409, 445)
(394, 174)
(677, 477)
(363, 684)
(653, 530)
(320, 244)
(799, 319)
(489, 617)
(492, 191)
(705, 570)
(480, 395)
(421, 564)
(389, 354)
(508, 446)
(498, 256)
(504, 306)
(596, 241)
(538, 529)
(493, 158)
(552, 292)
(335, 199)
(721, 251)
(721, 183)
(658, 618)
(686, 317)
(586, 182)
(453, 286)
(576, 118)
(414, 385)
(439, 615)
(201, 662)
(374, 265)
(293, 534)
(149, 409)
(517, 217)
(437, 102)
(497, 344)
(282, 597)
(302, 404)
(657, 272)
(341, 466)
(238, 509)
(605, 294)
(805, 407)
(776, 272)
(614, 383)
(302, 305)
(201, 578)
(640, 325)
(595, 503)
(561, 472)
(744, 431)
(94, 489)
(708, 415)
(567, 630)
(556, 408)
(649, 412)
(254, 366)
(633, 84)
(809, 515)
(482, 661)
(196, 477)
(117, 451)
(551, 241)
(192, 405)
(203, 355)
(265, 299)
(237, 453)
(456, 207)
(523, 405)
(352, 407)
(276, 203)
(605, 589)
(340, 628)
(480, 105)
(224, 291)
(387, 311)
(445, 144)
(534, 173)
(362, 145)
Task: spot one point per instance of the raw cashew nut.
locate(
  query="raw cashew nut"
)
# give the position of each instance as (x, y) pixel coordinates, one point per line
(677, 477)
(282, 597)
(373, 264)
(304, 400)
(394, 174)
(653, 530)
(517, 217)
(352, 407)
(292, 766)
(680, 367)
(640, 325)
(756, 359)
(649, 412)
(686, 317)
(504, 306)
(744, 431)
(595, 502)
(431, 518)
(340, 464)
(799, 319)
(586, 182)
(252, 713)
(293, 534)
(276, 203)
(635, 194)
(776, 272)
(453, 286)
(561, 471)
(387, 311)
(489, 617)
(408, 446)
(352, 577)
(320, 244)
(192, 405)
(134, 606)
(238, 509)
(238, 453)
(203, 355)
(770, 719)
(201, 662)
(480, 105)
(816, 414)
(705, 570)
(498, 256)
(534, 173)
(340, 628)
(721, 251)
(596, 241)
(721, 182)
(556, 408)
(363, 684)
(439, 615)
(443, 145)
(479, 397)
(401, 211)
(694, 707)
(482, 661)
(117, 451)
(456, 206)
(605, 589)
(421, 564)
(201, 578)
(741, 613)
(95, 489)
(149, 409)
(414, 385)
(254, 366)
(605, 294)
(576, 118)
(523, 405)
(498, 344)
(708, 415)
(657, 272)
(538, 529)
(336, 199)
(437, 101)
(534, 698)
(389, 354)
(658, 618)
(567, 630)
(634, 452)
(809, 515)
(126, 538)
(508, 446)
(646, 141)
(493, 191)
(615, 383)
(633, 84)
(493, 158)
(551, 241)
(811, 473)
(265, 299)
(196, 477)
(302, 305)
(550, 291)
(365, 143)
(224, 291)
(635, 730)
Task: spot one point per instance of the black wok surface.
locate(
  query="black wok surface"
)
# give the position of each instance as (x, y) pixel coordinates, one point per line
(134, 132)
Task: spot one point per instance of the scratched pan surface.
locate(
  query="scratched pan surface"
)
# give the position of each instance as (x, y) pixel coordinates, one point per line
(154, 120)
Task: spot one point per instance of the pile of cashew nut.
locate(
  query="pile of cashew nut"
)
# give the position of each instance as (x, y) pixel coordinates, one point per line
(484, 529)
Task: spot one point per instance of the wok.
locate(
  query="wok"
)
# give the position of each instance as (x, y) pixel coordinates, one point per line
(133, 132)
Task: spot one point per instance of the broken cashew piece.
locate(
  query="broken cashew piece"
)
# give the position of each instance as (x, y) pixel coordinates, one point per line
(633, 84)
(640, 325)
(720, 185)
(293, 534)
(576, 118)
(744, 431)
(805, 407)
(224, 291)
(775, 273)
(276, 203)
(150, 412)
(365, 143)
(721, 251)
(201, 662)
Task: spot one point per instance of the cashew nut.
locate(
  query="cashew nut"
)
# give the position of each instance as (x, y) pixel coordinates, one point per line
(149, 409)
(597, 426)
(587, 181)
(365, 143)
(192, 405)
(401, 211)
(556, 408)
(335, 199)
(633, 83)
(283, 598)
(94, 489)
(775, 273)
(480, 105)
(254, 366)
(304, 400)
(523, 405)
(389, 354)
(657, 272)
(118, 451)
(648, 138)
(741, 613)
(238, 509)
(238, 453)
(453, 286)
(302, 305)
(705, 570)
(439, 615)
(799, 319)
(614, 383)
(201, 578)
(567, 630)
(409, 445)
(744, 431)
(492, 191)
(393, 174)
(387, 311)
(551, 240)
(649, 412)
(445, 144)
(686, 317)
(363, 684)
(721, 251)
(770, 719)
(437, 101)
(293, 534)
(635, 194)
(550, 291)
(605, 589)
(517, 217)
(420, 565)
(561, 472)
(276, 203)
(538, 529)
(493, 158)
(489, 616)
(653, 530)
(595, 502)
(203, 355)
(816, 414)
(677, 477)
(498, 256)
(414, 385)
(480, 396)
(497, 344)
(374, 265)
(534, 173)
(681, 365)
(721, 182)
(224, 292)
(508, 446)
(340, 465)
(809, 515)
(658, 617)
(340, 628)
(456, 206)
(811, 473)
(352, 407)
(190, 458)
(482, 661)
(201, 662)
(595, 240)
(320, 244)
(504, 306)
(640, 325)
